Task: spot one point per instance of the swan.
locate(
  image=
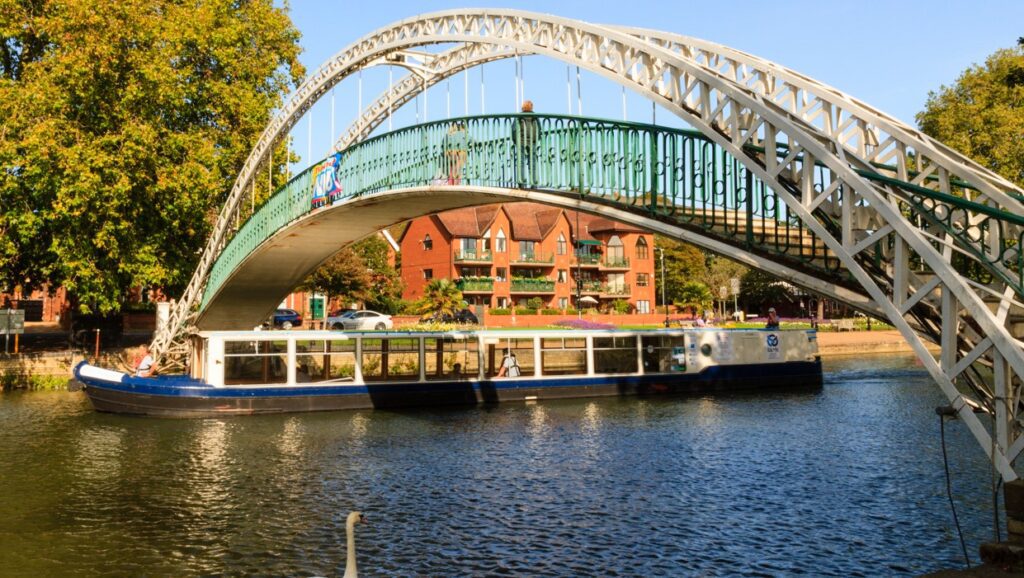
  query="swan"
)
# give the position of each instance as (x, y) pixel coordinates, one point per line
(350, 532)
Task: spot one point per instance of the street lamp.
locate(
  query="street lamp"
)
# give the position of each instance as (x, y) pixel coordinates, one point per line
(663, 302)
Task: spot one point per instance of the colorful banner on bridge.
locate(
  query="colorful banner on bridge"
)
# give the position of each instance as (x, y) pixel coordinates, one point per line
(326, 181)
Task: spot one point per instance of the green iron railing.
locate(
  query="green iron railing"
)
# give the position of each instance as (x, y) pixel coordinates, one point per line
(591, 286)
(615, 263)
(532, 259)
(473, 257)
(532, 286)
(613, 290)
(673, 175)
(475, 284)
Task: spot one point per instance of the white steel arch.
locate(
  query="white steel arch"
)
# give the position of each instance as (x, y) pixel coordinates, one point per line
(740, 101)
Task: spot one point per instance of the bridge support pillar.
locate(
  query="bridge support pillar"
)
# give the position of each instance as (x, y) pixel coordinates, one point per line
(1009, 554)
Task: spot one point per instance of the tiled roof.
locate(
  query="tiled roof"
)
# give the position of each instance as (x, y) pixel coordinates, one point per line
(468, 222)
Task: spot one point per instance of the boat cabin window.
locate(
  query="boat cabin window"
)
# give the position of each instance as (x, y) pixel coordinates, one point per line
(320, 360)
(663, 353)
(563, 355)
(615, 354)
(391, 359)
(446, 358)
(255, 362)
(523, 348)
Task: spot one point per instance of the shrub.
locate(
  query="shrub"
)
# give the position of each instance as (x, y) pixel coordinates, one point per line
(500, 311)
(550, 312)
(621, 306)
(583, 324)
(535, 303)
(525, 311)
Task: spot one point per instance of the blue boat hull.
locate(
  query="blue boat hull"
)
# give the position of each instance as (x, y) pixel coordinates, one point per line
(178, 396)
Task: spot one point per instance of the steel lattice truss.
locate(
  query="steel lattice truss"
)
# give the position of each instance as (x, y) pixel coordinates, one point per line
(827, 155)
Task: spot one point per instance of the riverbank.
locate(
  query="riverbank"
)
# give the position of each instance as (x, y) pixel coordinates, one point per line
(861, 342)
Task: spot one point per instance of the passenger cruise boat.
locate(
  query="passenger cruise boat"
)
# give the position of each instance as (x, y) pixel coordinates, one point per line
(284, 371)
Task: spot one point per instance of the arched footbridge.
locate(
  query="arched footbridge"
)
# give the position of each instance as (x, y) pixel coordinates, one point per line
(779, 172)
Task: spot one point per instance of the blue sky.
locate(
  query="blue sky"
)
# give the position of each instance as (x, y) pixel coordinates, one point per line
(889, 54)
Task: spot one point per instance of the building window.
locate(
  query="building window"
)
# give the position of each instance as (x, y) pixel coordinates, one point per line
(428, 243)
(487, 241)
(643, 306)
(615, 250)
(563, 276)
(563, 302)
(641, 248)
(469, 247)
(428, 273)
(500, 274)
(527, 249)
(642, 280)
(499, 242)
(561, 244)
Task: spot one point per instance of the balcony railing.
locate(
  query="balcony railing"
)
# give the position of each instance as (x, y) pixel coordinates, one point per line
(615, 263)
(532, 259)
(475, 285)
(588, 286)
(587, 260)
(473, 257)
(615, 290)
(533, 286)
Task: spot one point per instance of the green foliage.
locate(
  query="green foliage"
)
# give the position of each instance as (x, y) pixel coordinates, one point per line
(621, 306)
(440, 296)
(124, 126)
(764, 290)
(499, 311)
(695, 296)
(384, 293)
(525, 311)
(982, 115)
(11, 381)
(344, 275)
(683, 263)
(550, 311)
(535, 303)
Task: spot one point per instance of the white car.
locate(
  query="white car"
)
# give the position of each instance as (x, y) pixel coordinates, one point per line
(363, 320)
(336, 321)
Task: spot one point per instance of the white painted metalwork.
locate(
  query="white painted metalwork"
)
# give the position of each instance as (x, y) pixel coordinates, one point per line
(745, 104)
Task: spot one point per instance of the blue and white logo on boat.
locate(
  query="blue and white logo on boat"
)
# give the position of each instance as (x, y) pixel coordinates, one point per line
(772, 346)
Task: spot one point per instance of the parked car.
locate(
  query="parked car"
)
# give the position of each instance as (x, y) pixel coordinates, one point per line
(464, 316)
(365, 319)
(286, 319)
(336, 318)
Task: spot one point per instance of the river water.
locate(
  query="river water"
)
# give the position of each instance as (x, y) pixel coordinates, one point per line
(847, 481)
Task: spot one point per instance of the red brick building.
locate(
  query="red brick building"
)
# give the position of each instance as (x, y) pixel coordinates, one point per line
(506, 254)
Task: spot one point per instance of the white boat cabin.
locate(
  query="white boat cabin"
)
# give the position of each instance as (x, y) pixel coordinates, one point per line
(304, 358)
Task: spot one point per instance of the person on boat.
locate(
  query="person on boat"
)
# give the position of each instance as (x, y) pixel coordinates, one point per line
(509, 365)
(146, 365)
(773, 319)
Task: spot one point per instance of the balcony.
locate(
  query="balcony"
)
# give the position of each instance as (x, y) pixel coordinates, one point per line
(532, 286)
(475, 284)
(532, 260)
(615, 290)
(590, 287)
(615, 263)
(586, 260)
(474, 258)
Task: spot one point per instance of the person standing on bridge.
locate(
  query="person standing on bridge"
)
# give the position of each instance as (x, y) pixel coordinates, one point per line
(773, 319)
(456, 146)
(525, 134)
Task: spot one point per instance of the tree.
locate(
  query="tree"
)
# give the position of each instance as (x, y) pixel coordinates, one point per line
(982, 115)
(124, 126)
(441, 296)
(764, 290)
(683, 263)
(344, 275)
(694, 295)
(385, 290)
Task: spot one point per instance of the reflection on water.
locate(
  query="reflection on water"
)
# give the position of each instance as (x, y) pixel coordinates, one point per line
(845, 481)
